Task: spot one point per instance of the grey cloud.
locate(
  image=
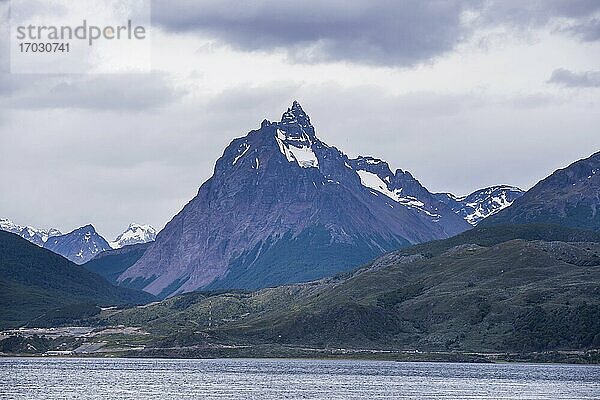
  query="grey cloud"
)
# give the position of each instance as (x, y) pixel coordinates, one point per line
(384, 32)
(568, 8)
(93, 92)
(98, 92)
(564, 77)
(534, 13)
(576, 18)
(588, 31)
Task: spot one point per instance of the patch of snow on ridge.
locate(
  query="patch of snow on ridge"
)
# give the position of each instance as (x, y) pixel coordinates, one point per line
(300, 152)
(374, 182)
(479, 213)
(29, 233)
(246, 147)
(373, 161)
(305, 157)
(489, 207)
(8, 225)
(456, 198)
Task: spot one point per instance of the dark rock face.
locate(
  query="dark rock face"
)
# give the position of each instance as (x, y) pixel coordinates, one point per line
(569, 197)
(482, 203)
(282, 206)
(78, 246)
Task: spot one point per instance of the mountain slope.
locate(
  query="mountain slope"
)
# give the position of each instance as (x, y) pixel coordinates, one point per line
(570, 197)
(282, 206)
(112, 263)
(500, 288)
(134, 234)
(482, 203)
(34, 235)
(79, 246)
(35, 281)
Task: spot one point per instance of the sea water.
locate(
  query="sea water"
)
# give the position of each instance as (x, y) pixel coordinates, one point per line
(105, 378)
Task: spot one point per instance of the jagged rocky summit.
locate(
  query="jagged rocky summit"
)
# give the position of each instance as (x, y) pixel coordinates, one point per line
(283, 206)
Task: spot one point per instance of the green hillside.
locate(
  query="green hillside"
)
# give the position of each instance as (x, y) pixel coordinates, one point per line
(506, 288)
(38, 286)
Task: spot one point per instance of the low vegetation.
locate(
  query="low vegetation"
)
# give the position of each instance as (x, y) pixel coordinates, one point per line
(508, 289)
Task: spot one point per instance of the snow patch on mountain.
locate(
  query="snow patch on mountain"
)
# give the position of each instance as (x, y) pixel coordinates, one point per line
(8, 226)
(79, 246)
(244, 147)
(298, 149)
(34, 235)
(134, 234)
(492, 205)
(380, 179)
(373, 181)
(482, 203)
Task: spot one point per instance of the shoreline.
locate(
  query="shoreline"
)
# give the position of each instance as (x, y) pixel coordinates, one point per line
(547, 358)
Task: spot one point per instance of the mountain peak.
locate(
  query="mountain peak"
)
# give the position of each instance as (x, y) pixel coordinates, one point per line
(296, 106)
(295, 115)
(135, 225)
(89, 228)
(34, 235)
(280, 192)
(79, 246)
(135, 233)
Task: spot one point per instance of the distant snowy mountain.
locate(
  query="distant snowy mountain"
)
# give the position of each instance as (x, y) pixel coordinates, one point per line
(481, 203)
(34, 235)
(135, 233)
(82, 244)
(79, 246)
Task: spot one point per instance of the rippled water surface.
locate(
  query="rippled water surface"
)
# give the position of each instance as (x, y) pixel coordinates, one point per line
(53, 378)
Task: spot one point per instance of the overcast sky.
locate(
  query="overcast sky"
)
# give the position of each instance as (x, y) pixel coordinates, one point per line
(463, 94)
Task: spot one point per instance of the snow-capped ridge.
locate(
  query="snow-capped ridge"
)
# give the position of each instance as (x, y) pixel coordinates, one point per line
(375, 174)
(134, 234)
(79, 245)
(296, 137)
(30, 233)
(482, 203)
(82, 243)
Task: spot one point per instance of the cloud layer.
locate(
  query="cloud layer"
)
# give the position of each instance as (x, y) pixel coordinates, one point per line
(374, 32)
(564, 77)
(384, 32)
(124, 92)
(406, 81)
